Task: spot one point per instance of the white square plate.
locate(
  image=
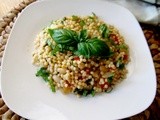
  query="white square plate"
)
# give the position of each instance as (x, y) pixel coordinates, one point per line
(29, 97)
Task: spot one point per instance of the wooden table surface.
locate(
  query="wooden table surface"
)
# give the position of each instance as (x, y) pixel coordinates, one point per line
(7, 5)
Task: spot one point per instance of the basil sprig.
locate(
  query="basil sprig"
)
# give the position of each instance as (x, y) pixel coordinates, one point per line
(42, 72)
(63, 36)
(79, 44)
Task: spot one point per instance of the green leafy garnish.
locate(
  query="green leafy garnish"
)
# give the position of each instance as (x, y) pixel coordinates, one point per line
(104, 31)
(123, 46)
(93, 47)
(62, 21)
(109, 89)
(83, 35)
(75, 18)
(56, 49)
(52, 86)
(110, 78)
(120, 64)
(79, 44)
(84, 92)
(93, 93)
(63, 36)
(94, 14)
(50, 44)
(82, 23)
(42, 72)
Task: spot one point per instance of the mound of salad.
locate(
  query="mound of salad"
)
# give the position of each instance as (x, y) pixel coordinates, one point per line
(82, 55)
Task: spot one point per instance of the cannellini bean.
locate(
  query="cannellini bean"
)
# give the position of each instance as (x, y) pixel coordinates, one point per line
(66, 76)
(56, 78)
(61, 70)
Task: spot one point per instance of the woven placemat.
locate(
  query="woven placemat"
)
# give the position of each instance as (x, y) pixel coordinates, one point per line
(152, 34)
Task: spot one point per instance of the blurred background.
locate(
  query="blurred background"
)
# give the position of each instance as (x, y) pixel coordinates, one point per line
(146, 11)
(7, 5)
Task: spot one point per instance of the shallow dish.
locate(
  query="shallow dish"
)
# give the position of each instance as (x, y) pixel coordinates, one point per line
(29, 97)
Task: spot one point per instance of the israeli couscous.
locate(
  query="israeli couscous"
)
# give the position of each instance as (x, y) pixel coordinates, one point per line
(81, 55)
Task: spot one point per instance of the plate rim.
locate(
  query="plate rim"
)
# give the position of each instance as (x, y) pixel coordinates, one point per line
(32, 4)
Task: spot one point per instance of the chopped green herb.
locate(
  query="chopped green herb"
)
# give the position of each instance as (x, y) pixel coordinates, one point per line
(93, 93)
(62, 21)
(110, 77)
(42, 72)
(75, 18)
(82, 23)
(64, 18)
(91, 17)
(52, 86)
(94, 14)
(109, 89)
(56, 49)
(120, 64)
(85, 92)
(78, 91)
(104, 31)
(123, 46)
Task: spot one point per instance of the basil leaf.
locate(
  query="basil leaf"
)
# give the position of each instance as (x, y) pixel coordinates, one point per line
(83, 35)
(104, 31)
(93, 47)
(78, 44)
(56, 49)
(42, 72)
(82, 49)
(50, 44)
(63, 36)
(98, 47)
(71, 48)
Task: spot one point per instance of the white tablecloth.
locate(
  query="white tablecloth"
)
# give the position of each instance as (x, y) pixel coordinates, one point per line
(144, 12)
